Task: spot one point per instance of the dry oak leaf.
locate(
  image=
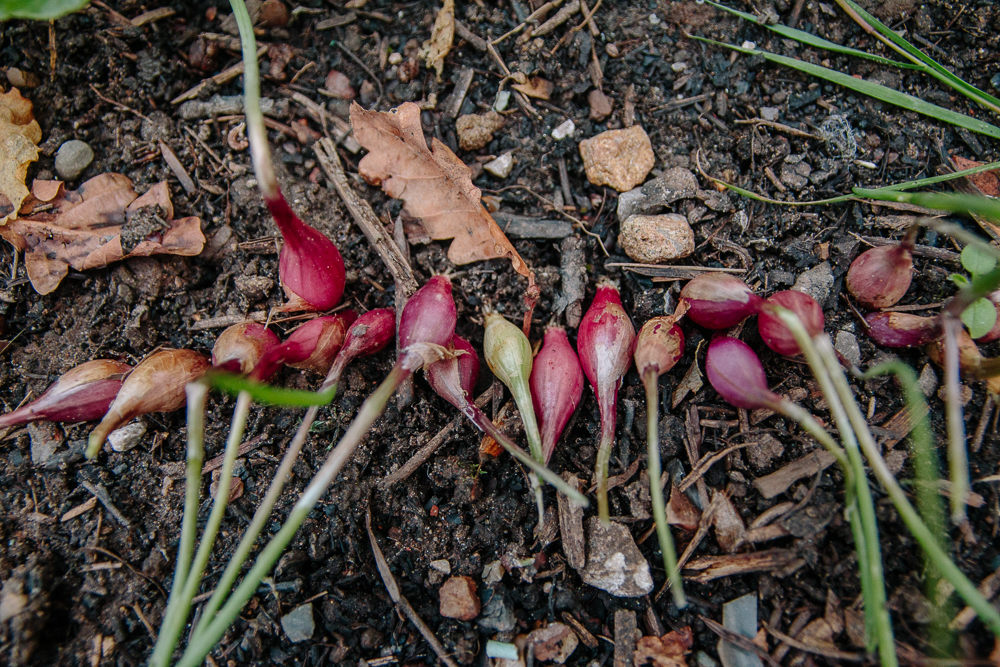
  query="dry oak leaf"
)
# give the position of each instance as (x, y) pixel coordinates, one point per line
(666, 651)
(19, 137)
(435, 186)
(84, 228)
(437, 47)
(987, 181)
(536, 87)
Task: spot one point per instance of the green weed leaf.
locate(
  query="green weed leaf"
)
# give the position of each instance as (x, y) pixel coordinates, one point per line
(979, 317)
(266, 394)
(39, 10)
(977, 261)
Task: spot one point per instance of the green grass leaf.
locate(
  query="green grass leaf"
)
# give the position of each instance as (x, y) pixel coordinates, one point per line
(927, 64)
(266, 394)
(874, 90)
(39, 10)
(812, 40)
(951, 202)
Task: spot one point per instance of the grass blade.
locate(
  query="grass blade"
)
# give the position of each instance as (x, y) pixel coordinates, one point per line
(266, 394)
(812, 40)
(927, 64)
(939, 201)
(874, 90)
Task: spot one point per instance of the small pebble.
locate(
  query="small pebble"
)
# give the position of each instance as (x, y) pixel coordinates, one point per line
(928, 381)
(127, 437)
(395, 58)
(501, 166)
(817, 282)
(503, 98)
(618, 158)
(769, 113)
(458, 599)
(651, 239)
(476, 130)
(72, 158)
(274, 13)
(748, 45)
(338, 85)
(612, 50)
(614, 562)
(298, 624)
(46, 438)
(566, 129)
(441, 566)
(600, 105)
(654, 19)
(847, 344)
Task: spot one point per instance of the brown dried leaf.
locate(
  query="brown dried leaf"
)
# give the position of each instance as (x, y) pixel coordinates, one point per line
(729, 528)
(536, 87)
(988, 181)
(437, 47)
(434, 185)
(19, 137)
(82, 229)
(666, 651)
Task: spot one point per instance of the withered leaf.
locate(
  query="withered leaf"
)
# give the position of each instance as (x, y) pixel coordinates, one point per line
(536, 87)
(666, 651)
(987, 181)
(437, 47)
(19, 137)
(83, 228)
(434, 185)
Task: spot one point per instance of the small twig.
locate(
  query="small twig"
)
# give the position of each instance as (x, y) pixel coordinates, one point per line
(984, 419)
(401, 602)
(833, 654)
(707, 462)
(739, 641)
(101, 494)
(365, 218)
(115, 104)
(521, 99)
(532, 18)
(362, 65)
(781, 127)
(111, 554)
(575, 221)
(958, 462)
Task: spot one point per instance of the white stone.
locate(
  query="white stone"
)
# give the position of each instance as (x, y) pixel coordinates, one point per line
(501, 166)
(127, 437)
(395, 58)
(565, 130)
(503, 97)
(441, 566)
(72, 158)
(651, 239)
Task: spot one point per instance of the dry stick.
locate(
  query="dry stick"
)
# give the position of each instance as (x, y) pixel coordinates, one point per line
(401, 602)
(739, 641)
(521, 99)
(984, 420)
(541, 11)
(432, 446)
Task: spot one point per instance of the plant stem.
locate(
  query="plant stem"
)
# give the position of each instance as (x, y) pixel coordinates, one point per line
(197, 395)
(877, 619)
(958, 458)
(373, 406)
(263, 513)
(649, 380)
(965, 588)
(477, 417)
(522, 398)
(607, 407)
(256, 134)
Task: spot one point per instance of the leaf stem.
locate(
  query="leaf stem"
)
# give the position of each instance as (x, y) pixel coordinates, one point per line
(649, 380)
(607, 409)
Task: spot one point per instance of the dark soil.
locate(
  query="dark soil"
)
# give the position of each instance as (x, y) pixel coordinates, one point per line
(95, 579)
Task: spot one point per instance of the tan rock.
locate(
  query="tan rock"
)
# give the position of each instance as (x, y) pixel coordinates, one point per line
(458, 599)
(600, 105)
(475, 130)
(619, 158)
(651, 239)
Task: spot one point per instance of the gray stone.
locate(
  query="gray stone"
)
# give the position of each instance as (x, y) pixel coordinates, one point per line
(847, 345)
(127, 437)
(817, 282)
(157, 126)
(673, 185)
(497, 616)
(46, 438)
(656, 238)
(254, 288)
(631, 203)
(795, 172)
(614, 562)
(928, 380)
(225, 105)
(298, 624)
(769, 113)
(72, 158)
(740, 617)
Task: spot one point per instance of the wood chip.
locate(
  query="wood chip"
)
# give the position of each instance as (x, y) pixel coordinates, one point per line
(179, 171)
(152, 16)
(82, 508)
(717, 567)
(571, 526)
(626, 634)
(335, 21)
(778, 482)
(900, 425)
(989, 587)
(453, 103)
(581, 632)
